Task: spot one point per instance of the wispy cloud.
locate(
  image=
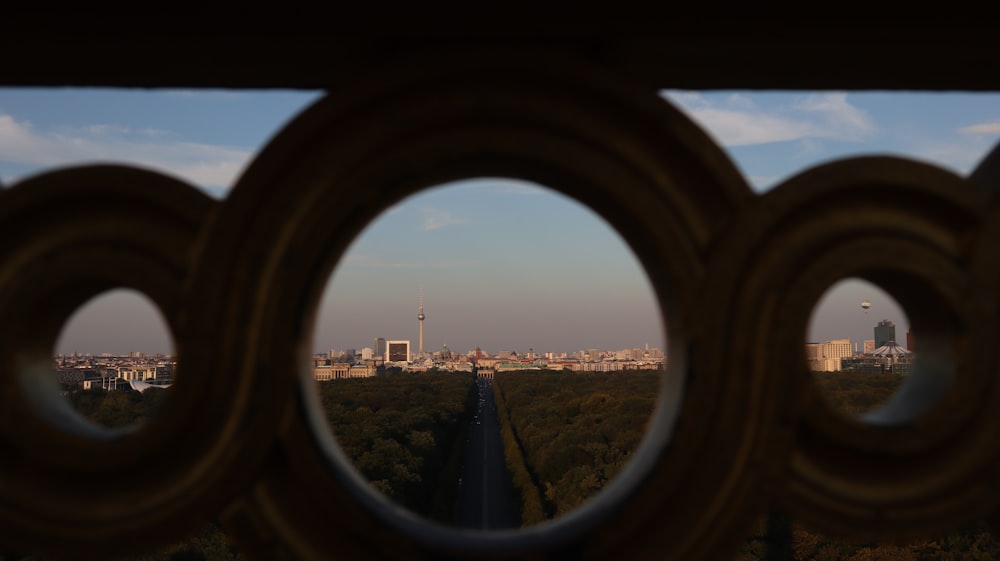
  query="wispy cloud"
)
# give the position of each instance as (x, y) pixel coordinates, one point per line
(205, 165)
(737, 120)
(982, 129)
(961, 157)
(436, 218)
(835, 116)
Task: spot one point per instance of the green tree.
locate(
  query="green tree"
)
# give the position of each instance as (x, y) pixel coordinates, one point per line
(575, 431)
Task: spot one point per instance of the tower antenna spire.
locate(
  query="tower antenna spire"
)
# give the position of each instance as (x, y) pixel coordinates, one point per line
(420, 317)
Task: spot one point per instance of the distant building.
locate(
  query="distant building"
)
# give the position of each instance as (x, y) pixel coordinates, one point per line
(343, 370)
(869, 346)
(379, 349)
(866, 364)
(897, 359)
(488, 362)
(826, 356)
(331, 371)
(885, 331)
(364, 370)
(397, 351)
(812, 355)
(141, 373)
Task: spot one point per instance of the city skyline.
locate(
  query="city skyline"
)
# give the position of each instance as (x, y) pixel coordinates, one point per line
(504, 237)
(839, 314)
(132, 319)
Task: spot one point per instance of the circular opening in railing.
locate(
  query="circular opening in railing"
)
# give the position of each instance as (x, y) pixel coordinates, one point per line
(868, 361)
(488, 354)
(114, 360)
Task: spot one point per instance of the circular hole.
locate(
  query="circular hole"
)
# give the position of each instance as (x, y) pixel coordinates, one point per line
(114, 360)
(866, 359)
(488, 354)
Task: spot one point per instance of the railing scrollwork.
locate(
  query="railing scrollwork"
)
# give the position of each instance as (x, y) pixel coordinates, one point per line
(739, 427)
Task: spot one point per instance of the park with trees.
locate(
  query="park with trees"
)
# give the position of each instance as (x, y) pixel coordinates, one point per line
(405, 433)
(565, 437)
(568, 434)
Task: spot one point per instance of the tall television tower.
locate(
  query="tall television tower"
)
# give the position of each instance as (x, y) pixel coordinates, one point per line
(420, 316)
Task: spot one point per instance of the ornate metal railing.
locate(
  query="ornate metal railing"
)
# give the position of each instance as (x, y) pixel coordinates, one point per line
(740, 427)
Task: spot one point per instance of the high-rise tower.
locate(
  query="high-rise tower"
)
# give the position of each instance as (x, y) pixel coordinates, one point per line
(420, 316)
(885, 331)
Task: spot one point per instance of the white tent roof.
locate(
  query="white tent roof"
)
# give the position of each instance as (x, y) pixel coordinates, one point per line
(891, 349)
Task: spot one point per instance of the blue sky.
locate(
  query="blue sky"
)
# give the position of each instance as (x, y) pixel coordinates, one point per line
(560, 280)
